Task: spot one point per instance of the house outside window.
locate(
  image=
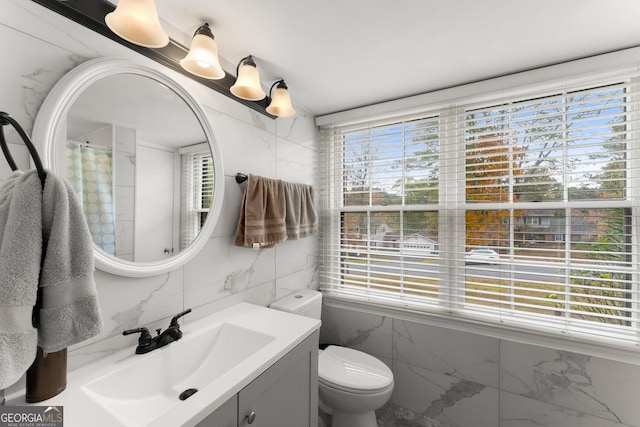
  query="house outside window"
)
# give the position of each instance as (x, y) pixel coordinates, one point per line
(543, 180)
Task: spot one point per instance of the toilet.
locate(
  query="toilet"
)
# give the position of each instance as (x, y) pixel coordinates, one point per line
(352, 384)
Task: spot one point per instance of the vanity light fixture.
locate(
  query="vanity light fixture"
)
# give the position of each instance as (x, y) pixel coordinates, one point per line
(280, 103)
(137, 22)
(247, 85)
(202, 59)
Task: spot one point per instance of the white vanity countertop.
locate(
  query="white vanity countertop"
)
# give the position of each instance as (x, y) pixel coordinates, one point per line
(211, 356)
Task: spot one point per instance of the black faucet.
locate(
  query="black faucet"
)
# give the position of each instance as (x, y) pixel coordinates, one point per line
(147, 343)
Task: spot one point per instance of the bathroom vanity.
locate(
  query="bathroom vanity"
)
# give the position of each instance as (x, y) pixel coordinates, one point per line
(246, 365)
(284, 395)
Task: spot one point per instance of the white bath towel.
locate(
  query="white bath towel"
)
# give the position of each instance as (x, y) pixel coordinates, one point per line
(301, 217)
(70, 311)
(20, 253)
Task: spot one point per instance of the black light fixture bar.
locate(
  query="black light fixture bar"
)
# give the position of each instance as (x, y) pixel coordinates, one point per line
(91, 13)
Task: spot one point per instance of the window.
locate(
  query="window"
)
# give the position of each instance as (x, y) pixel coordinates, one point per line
(532, 220)
(197, 191)
(519, 212)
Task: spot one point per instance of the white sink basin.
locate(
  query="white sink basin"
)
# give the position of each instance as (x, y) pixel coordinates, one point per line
(218, 355)
(151, 385)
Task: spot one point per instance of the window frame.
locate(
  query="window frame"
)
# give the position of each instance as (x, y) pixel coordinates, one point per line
(450, 157)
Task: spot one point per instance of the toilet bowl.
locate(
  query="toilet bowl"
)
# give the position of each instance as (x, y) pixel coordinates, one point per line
(352, 384)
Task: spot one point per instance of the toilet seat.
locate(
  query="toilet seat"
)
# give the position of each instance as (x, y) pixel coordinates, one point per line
(353, 371)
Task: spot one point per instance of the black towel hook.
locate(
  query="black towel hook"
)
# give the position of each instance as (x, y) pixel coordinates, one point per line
(6, 119)
(240, 178)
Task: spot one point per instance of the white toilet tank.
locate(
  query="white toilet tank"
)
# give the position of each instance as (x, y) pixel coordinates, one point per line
(306, 303)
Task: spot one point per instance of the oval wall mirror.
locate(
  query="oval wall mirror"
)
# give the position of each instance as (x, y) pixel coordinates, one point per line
(140, 153)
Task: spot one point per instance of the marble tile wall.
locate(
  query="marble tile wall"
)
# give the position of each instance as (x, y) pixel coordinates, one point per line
(124, 159)
(42, 47)
(450, 378)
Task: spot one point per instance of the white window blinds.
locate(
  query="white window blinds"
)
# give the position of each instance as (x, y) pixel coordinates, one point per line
(197, 192)
(519, 211)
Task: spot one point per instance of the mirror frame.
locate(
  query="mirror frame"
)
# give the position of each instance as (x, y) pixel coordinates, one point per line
(50, 123)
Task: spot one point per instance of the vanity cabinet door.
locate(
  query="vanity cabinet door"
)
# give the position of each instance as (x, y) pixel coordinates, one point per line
(286, 394)
(225, 416)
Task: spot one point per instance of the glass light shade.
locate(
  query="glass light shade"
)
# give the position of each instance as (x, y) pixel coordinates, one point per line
(281, 102)
(202, 59)
(247, 85)
(137, 22)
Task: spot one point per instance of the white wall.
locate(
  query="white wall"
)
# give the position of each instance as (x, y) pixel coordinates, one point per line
(39, 47)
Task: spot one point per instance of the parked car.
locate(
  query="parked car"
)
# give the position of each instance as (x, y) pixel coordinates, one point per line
(481, 255)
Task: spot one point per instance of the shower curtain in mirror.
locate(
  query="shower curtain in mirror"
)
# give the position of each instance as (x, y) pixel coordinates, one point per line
(90, 172)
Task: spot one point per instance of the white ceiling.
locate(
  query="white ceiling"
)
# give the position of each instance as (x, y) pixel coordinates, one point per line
(340, 54)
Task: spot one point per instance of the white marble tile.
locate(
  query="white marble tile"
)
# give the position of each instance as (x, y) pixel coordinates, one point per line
(460, 354)
(585, 384)
(228, 220)
(124, 238)
(297, 163)
(125, 203)
(519, 411)
(125, 141)
(262, 295)
(302, 279)
(124, 169)
(243, 149)
(295, 255)
(452, 401)
(300, 128)
(617, 385)
(222, 269)
(32, 77)
(367, 332)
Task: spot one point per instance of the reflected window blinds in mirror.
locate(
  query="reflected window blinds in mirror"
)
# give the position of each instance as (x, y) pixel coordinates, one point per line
(197, 190)
(165, 183)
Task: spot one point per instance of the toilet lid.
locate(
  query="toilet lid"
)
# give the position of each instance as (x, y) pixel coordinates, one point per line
(352, 369)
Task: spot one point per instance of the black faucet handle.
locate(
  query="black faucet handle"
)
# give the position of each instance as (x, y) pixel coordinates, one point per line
(145, 336)
(174, 320)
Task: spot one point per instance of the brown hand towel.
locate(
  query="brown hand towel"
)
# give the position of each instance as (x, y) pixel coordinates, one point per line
(262, 213)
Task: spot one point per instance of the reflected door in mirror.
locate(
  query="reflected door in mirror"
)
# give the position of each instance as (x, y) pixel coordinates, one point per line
(156, 232)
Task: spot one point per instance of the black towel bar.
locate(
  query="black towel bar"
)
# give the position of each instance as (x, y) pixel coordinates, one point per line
(240, 178)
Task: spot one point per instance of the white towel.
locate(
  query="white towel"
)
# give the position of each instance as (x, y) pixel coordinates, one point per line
(20, 253)
(301, 217)
(70, 311)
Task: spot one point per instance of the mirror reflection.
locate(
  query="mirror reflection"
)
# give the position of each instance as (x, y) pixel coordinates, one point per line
(140, 162)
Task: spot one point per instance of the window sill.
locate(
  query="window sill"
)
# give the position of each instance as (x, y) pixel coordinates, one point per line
(595, 349)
